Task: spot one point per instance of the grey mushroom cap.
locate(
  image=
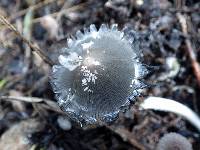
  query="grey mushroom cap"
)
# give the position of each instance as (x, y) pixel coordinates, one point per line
(98, 74)
(174, 141)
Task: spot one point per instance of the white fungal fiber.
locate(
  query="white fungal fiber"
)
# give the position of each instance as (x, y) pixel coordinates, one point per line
(168, 105)
(98, 73)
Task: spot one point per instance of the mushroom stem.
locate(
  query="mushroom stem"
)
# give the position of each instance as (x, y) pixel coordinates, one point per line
(168, 105)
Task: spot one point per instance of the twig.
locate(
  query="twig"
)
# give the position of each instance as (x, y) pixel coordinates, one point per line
(127, 136)
(22, 98)
(32, 46)
(55, 14)
(163, 129)
(190, 49)
(34, 7)
(66, 10)
(48, 104)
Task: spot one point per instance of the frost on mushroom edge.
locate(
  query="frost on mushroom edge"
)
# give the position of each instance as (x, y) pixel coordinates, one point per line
(99, 73)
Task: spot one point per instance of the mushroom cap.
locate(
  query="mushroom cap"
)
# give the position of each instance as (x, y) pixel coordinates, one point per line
(173, 141)
(98, 74)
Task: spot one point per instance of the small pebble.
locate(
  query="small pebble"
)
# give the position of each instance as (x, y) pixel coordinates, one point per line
(64, 123)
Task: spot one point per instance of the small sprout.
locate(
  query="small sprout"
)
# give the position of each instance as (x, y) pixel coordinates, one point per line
(3, 83)
(173, 141)
(173, 65)
(173, 68)
(168, 105)
(98, 73)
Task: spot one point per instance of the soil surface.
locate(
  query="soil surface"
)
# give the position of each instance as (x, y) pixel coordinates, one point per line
(173, 44)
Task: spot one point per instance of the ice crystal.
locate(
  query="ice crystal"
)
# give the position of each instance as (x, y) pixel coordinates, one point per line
(98, 73)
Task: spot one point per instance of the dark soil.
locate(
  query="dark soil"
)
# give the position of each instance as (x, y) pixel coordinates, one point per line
(26, 75)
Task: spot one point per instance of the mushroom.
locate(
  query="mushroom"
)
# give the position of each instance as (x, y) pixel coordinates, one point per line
(99, 73)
